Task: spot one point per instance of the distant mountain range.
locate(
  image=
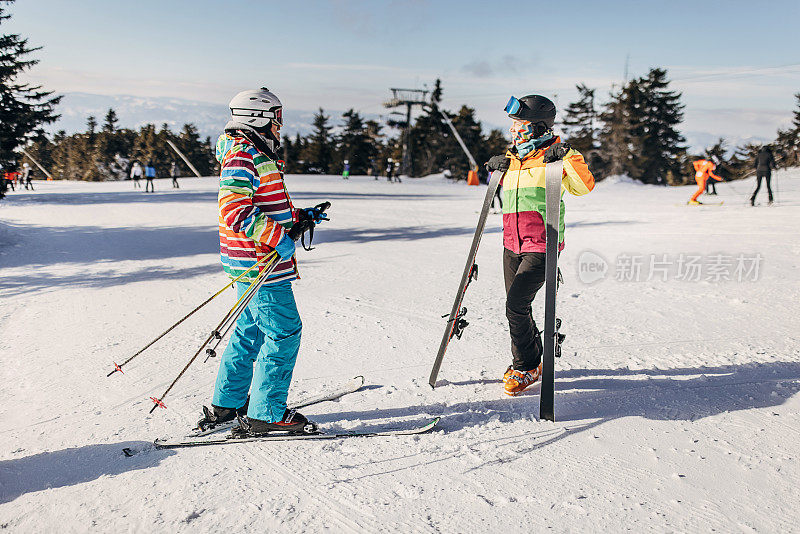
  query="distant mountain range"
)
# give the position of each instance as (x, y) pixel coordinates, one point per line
(135, 111)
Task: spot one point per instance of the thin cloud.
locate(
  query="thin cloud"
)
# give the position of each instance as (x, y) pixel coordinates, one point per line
(340, 66)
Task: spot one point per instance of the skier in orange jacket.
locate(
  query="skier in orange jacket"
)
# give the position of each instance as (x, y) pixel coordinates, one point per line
(704, 169)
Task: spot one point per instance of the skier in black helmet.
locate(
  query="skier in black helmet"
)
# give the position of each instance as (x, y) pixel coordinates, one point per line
(534, 145)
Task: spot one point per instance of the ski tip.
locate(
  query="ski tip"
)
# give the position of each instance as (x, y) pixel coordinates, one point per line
(360, 378)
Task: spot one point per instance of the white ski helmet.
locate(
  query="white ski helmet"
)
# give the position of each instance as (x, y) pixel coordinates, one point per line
(256, 108)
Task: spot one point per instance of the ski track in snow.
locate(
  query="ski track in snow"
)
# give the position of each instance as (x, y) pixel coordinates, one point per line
(676, 402)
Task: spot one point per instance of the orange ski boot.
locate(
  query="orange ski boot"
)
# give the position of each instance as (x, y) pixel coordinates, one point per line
(519, 381)
(507, 374)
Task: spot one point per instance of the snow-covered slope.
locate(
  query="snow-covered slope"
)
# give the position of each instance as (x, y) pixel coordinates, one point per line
(676, 398)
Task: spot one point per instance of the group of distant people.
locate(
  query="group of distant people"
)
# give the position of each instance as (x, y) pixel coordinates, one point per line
(149, 174)
(704, 174)
(392, 174)
(15, 178)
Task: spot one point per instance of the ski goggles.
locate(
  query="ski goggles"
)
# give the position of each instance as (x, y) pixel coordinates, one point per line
(513, 105)
(275, 114)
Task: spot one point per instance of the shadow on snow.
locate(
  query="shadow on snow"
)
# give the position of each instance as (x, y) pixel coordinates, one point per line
(685, 394)
(69, 467)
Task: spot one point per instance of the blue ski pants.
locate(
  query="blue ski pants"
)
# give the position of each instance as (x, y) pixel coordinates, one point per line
(261, 354)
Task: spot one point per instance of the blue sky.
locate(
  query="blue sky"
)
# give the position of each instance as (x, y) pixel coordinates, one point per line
(736, 63)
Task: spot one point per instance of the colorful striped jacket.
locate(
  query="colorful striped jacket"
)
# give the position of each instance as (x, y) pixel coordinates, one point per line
(255, 210)
(523, 198)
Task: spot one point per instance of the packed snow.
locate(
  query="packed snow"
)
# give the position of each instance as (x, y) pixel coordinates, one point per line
(676, 397)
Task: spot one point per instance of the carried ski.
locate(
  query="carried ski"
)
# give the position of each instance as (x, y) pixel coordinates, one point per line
(278, 436)
(456, 321)
(345, 388)
(552, 176)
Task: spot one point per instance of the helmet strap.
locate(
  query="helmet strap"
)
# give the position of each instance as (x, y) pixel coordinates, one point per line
(268, 145)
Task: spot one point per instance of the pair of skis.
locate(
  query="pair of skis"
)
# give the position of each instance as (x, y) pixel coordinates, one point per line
(456, 322)
(201, 437)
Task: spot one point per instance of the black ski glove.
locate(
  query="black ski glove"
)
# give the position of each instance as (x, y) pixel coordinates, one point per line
(556, 152)
(498, 163)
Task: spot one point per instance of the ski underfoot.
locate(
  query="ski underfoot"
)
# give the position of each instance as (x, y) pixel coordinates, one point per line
(278, 436)
(345, 388)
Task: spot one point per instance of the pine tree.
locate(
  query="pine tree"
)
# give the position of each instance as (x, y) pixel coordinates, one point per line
(470, 131)
(317, 152)
(353, 143)
(787, 144)
(24, 108)
(292, 154)
(189, 143)
(579, 122)
(110, 121)
(659, 112)
(615, 136)
(377, 148)
(742, 162)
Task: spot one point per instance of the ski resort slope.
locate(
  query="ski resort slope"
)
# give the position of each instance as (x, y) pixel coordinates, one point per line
(676, 403)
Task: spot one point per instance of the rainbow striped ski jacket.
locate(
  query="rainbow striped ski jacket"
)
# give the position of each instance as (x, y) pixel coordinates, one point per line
(255, 210)
(523, 198)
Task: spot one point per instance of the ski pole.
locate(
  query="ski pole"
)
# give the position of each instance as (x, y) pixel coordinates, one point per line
(270, 266)
(171, 328)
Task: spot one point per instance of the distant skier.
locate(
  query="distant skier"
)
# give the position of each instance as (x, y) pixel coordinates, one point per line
(8, 179)
(764, 164)
(711, 186)
(26, 176)
(389, 170)
(534, 144)
(255, 215)
(173, 173)
(136, 174)
(149, 175)
(373, 167)
(704, 170)
(346, 171)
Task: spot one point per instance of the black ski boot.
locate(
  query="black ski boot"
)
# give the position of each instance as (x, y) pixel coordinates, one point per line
(292, 422)
(218, 415)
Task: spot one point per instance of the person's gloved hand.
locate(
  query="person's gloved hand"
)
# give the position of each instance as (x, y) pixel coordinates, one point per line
(498, 163)
(285, 247)
(314, 214)
(556, 152)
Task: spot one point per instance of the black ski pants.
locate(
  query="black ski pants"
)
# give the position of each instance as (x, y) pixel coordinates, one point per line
(524, 276)
(767, 175)
(148, 186)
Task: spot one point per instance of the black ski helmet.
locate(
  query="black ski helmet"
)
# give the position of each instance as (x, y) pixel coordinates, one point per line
(533, 108)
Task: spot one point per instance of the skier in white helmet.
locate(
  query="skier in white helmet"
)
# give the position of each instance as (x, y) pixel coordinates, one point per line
(255, 215)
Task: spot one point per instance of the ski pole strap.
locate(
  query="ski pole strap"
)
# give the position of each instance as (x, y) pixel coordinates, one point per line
(308, 218)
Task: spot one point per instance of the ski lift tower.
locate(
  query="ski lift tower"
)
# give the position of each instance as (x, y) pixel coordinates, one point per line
(408, 98)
